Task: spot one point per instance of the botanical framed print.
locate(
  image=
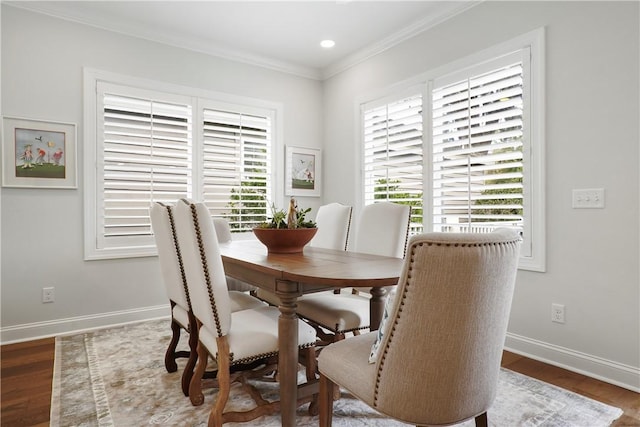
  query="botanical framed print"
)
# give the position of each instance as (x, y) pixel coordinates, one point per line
(303, 171)
(38, 154)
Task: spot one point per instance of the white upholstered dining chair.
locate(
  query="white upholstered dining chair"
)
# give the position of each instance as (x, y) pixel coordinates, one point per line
(436, 358)
(382, 229)
(333, 221)
(232, 339)
(175, 283)
(223, 232)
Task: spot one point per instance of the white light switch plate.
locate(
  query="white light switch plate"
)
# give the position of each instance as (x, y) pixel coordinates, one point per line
(591, 198)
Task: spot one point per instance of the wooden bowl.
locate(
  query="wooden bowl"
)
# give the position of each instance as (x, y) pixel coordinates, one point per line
(284, 240)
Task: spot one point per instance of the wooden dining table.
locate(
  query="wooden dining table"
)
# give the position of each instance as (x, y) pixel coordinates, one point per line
(291, 275)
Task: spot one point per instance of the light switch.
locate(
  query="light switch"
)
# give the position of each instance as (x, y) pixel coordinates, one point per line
(591, 198)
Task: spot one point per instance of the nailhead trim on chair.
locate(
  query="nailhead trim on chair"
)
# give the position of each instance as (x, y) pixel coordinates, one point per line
(346, 241)
(333, 329)
(406, 237)
(205, 268)
(175, 244)
(409, 270)
(252, 358)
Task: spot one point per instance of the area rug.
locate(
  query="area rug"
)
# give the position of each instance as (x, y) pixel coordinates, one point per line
(116, 377)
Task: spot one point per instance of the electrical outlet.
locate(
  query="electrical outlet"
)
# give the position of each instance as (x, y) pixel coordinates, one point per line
(48, 294)
(557, 313)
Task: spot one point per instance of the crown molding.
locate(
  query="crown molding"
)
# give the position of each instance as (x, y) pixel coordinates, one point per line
(172, 40)
(455, 8)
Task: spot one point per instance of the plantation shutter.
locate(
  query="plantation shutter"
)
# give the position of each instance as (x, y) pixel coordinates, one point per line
(237, 166)
(145, 139)
(477, 148)
(393, 155)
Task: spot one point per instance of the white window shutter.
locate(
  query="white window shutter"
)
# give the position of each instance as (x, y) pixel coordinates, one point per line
(393, 160)
(477, 151)
(237, 166)
(146, 156)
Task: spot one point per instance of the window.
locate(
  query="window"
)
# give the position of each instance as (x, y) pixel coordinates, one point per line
(476, 149)
(145, 149)
(162, 145)
(478, 164)
(393, 164)
(236, 166)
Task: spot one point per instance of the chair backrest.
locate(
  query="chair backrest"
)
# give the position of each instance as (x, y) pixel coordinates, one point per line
(210, 300)
(173, 276)
(383, 229)
(442, 344)
(223, 230)
(333, 221)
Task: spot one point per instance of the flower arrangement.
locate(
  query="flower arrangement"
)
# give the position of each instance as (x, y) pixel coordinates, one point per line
(292, 219)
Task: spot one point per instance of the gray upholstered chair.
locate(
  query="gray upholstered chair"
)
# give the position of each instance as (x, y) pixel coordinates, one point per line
(382, 229)
(233, 339)
(333, 221)
(436, 358)
(175, 282)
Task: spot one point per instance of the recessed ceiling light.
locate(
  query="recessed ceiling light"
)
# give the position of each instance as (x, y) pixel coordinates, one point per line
(327, 43)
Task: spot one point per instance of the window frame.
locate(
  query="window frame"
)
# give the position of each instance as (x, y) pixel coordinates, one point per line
(198, 98)
(533, 254)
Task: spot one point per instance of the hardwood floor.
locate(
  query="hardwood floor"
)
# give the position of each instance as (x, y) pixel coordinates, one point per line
(627, 400)
(27, 374)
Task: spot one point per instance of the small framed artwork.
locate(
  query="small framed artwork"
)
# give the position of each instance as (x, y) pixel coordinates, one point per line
(303, 171)
(38, 154)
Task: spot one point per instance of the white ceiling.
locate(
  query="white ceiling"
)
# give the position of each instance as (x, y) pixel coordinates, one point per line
(282, 35)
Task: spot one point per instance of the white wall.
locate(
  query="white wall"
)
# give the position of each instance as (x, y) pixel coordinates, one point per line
(592, 141)
(42, 230)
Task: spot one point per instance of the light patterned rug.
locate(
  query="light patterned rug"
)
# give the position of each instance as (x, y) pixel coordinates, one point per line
(116, 377)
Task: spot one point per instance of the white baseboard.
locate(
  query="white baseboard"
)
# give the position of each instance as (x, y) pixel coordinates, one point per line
(73, 325)
(592, 366)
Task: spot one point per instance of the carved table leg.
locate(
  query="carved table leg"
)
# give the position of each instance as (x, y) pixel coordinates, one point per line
(288, 352)
(376, 307)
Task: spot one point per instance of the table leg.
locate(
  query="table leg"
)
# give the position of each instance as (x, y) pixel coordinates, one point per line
(288, 351)
(376, 307)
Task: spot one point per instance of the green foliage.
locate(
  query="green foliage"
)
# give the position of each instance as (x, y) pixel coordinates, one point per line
(279, 219)
(387, 189)
(247, 206)
(503, 201)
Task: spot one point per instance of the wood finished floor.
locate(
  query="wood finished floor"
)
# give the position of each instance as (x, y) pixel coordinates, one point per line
(27, 373)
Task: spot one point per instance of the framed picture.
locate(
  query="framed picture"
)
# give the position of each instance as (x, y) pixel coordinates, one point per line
(38, 154)
(303, 171)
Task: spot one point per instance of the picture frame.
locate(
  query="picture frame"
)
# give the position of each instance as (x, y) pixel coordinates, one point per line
(38, 154)
(303, 171)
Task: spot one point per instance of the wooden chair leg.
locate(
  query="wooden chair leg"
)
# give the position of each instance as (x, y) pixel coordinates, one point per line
(310, 363)
(481, 420)
(326, 401)
(224, 383)
(187, 374)
(170, 355)
(195, 385)
(311, 367)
